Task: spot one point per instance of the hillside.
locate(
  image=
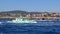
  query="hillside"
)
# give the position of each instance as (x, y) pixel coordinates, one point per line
(22, 12)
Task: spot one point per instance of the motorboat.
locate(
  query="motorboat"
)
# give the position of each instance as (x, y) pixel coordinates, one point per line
(21, 20)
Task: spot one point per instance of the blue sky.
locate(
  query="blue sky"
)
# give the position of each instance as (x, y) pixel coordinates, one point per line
(30, 5)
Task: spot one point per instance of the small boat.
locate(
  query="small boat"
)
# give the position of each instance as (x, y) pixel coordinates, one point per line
(21, 20)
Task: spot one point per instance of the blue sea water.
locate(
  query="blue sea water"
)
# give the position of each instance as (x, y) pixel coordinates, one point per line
(50, 28)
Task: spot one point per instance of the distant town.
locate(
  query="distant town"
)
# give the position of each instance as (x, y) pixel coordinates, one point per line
(30, 15)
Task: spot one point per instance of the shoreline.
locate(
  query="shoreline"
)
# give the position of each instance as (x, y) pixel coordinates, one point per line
(35, 18)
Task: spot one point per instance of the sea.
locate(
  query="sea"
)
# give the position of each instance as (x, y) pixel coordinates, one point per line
(41, 27)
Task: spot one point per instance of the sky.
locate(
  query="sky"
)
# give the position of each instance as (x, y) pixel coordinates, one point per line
(30, 5)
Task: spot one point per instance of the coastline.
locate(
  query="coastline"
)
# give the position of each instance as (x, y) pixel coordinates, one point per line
(30, 15)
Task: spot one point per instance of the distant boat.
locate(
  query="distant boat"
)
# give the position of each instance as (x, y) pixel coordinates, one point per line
(21, 20)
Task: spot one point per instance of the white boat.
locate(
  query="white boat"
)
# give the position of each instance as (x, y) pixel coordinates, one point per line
(21, 20)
